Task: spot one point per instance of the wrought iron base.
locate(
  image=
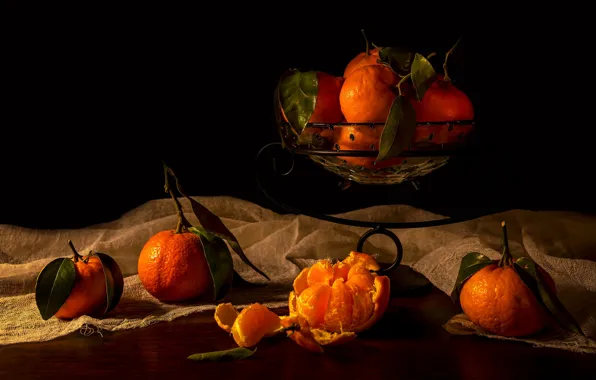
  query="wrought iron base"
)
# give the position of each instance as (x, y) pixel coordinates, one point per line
(375, 228)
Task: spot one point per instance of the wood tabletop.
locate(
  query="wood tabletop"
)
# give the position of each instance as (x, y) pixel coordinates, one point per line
(408, 343)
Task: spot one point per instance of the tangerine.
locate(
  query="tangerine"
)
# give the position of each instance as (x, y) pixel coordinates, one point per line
(362, 59)
(497, 299)
(368, 93)
(172, 266)
(362, 137)
(88, 296)
(327, 108)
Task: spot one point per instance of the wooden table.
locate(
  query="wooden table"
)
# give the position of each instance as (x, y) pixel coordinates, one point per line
(409, 343)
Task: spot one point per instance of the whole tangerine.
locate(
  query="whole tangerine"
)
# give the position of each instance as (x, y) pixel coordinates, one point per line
(497, 299)
(88, 296)
(368, 93)
(172, 266)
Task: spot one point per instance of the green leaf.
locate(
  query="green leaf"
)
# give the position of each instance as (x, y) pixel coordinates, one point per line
(114, 280)
(534, 279)
(399, 129)
(423, 74)
(219, 260)
(211, 223)
(399, 59)
(237, 353)
(53, 286)
(298, 96)
(470, 264)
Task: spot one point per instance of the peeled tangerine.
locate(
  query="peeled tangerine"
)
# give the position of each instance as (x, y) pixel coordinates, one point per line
(330, 303)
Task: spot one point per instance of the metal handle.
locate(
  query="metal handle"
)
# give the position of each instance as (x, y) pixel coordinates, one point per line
(379, 230)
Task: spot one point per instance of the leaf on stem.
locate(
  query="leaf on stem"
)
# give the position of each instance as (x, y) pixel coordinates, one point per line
(211, 223)
(398, 59)
(219, 259)
(53, 286)
(423, 74)
(470, 264)
(298, 97)
(237, 353)
(534, 279)
(399, 129)
(114, 280)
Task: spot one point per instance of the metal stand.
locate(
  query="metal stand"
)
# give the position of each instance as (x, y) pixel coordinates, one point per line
(291, 148)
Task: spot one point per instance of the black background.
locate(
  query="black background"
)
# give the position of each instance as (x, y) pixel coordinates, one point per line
(94, 100)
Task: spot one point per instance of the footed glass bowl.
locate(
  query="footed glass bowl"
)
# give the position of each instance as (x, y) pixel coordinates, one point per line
(349, 149)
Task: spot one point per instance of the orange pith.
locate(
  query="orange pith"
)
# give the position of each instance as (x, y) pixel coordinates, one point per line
(496, 299)
(88, 296)
(172, 267)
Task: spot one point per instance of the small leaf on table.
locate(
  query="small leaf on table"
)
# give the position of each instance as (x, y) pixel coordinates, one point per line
(534, 279)
(399, 59)
(114, 280)
(470, 264)
(423, 74)
(237, 353)
(298, 96)
(53, 286)
(219, 260)
(399, 129)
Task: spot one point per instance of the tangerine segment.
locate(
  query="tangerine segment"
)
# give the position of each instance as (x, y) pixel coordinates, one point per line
(253, 323)
(225, 316)
(292, 304)
(362, 308)
(301, 281)
(340, 270)
(361, 277)
(380, 299)
(339, 310)
(500, 302)
(320, 273)
(362, 259)
(312, 304)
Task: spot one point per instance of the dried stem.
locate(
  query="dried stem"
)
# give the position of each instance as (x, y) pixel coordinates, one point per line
(447, 78)
(77, 256)
(506, 258)
(182, 221)
(366, 40)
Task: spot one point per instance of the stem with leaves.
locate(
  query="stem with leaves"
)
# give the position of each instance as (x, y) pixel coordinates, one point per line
(506, 259)
(183, 223)
(410, 75)
(447, 78)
